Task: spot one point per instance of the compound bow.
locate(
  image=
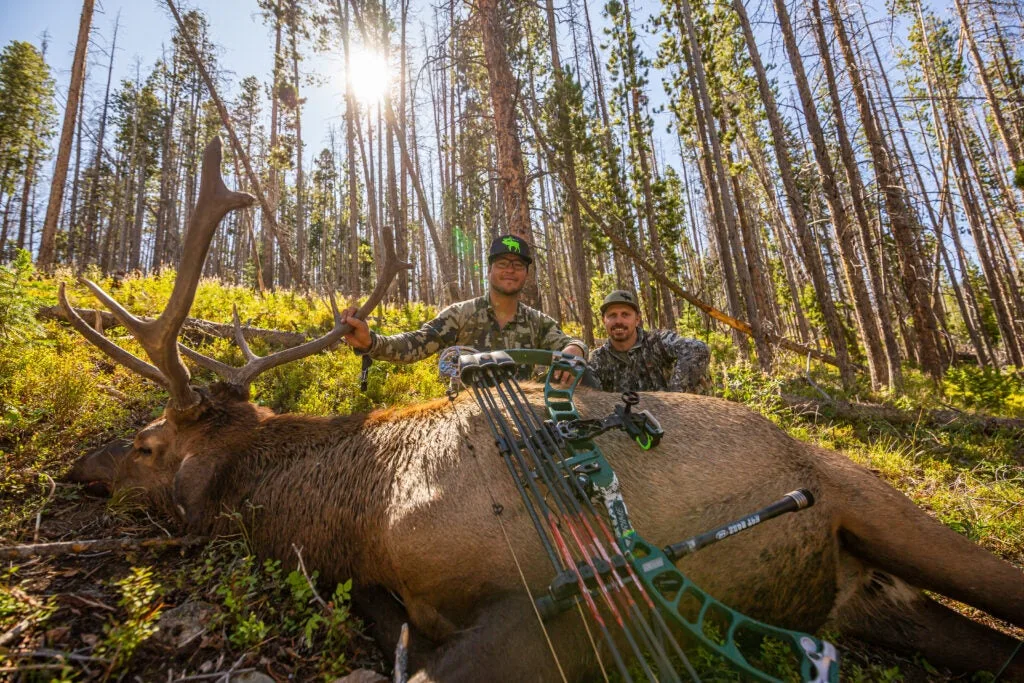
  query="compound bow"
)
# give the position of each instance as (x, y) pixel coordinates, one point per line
(629, 573)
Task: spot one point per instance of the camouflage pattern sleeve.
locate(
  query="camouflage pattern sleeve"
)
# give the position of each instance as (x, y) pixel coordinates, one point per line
(551, 336)
(408, 347)
(599, 368)
(692, 359)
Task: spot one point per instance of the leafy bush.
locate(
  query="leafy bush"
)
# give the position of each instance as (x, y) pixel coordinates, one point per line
(985, 388)
(17, 309)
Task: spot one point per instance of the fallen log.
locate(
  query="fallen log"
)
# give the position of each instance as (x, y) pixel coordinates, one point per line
(24, 552)
(936, 418)
(223, 330)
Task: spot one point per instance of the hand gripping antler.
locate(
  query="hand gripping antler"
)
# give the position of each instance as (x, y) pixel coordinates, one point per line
(255, 365)
(159, 337)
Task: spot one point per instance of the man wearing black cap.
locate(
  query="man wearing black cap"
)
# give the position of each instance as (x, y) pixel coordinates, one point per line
(497, 320)
(634, 359)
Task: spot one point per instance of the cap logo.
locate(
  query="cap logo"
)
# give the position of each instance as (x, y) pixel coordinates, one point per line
(512, 244)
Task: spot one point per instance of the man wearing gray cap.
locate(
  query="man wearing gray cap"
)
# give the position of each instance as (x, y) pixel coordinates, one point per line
(494, 321)
(635, 359)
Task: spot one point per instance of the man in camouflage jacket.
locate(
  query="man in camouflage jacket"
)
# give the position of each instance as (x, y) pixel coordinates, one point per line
(497, 320)
(634, 359)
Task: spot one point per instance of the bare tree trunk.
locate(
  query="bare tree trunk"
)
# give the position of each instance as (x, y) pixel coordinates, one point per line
(912, 270)
(511, 170)
(580, 262)
(880, 363)
(91, 205)
(300, 181)
(47, 251)
(270, 209)
(811, 253)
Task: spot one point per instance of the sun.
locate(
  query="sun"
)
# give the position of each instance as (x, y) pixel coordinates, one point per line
(371, 75)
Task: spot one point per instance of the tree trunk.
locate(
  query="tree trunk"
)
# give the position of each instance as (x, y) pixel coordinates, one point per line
(511, 170)
(901, 219)
(880, 364)
(580, 262)
(48, 241)
(91, 204)
(811, 253)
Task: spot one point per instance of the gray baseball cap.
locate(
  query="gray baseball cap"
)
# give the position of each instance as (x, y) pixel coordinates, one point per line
(620, 296)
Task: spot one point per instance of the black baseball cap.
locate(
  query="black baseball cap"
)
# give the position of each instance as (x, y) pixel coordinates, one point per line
(510, 244)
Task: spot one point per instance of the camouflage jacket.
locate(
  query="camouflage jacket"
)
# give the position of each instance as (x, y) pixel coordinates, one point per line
(660, 360)
(472, 323)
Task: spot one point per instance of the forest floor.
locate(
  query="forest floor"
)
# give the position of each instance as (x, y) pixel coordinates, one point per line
(95, 615)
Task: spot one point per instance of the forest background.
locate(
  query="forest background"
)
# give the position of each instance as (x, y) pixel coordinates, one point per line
(792, 182)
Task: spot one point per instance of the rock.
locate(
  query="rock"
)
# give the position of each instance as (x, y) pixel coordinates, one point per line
(182, 625)
(252, 677)
(362, 676)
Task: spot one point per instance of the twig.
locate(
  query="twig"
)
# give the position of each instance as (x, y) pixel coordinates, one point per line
(216, 674)
(39, 515)
(402, 656)
(814, 385)
(18, 629)
(20, 552)
(302, 568)
(47, 653)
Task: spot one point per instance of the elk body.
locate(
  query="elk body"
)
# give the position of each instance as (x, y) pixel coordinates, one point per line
(403, 499)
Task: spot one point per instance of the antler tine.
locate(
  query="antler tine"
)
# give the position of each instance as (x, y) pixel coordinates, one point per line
(256, 365)
(239, 337)
(116, 353)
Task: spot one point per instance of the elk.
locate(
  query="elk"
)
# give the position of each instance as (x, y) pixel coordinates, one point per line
(402, 499)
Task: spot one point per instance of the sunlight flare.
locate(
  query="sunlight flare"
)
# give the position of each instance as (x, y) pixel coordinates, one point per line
(371, 76)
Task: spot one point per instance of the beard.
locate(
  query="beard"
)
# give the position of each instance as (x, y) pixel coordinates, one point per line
(619, 331)
(507, 290)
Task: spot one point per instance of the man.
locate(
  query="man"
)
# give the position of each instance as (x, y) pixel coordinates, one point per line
(497, 320)
(634, 359)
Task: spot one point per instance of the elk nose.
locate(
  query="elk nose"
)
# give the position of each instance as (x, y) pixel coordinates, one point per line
(96, 470)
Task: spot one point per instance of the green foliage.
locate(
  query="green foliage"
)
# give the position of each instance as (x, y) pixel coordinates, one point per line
(139, 600)
(260, 602)
(17, 309)
(985, 388)
(1018, 177)
(27, 112)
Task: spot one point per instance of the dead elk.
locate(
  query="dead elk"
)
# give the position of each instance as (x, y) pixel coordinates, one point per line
(402, 499)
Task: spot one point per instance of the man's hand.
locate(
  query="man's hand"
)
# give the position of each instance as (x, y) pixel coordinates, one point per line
(564, 377)
(359, 337)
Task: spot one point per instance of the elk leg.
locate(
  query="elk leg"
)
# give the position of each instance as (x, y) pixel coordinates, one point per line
(505, 643)
(384, 615)
(884, 529)
(880, 608)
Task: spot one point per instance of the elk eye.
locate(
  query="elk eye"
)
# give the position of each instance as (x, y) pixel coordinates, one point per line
(145, 450)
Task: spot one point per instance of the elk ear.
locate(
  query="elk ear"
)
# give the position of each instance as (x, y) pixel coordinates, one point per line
(191, 494)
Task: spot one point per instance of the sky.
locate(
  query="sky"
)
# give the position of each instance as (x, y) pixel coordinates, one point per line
(244, 42)
(145, 30)
(245, 46)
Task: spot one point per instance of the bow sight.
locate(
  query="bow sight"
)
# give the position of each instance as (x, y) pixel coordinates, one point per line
(628, 585)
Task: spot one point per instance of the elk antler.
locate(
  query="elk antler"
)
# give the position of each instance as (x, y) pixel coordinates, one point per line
(255, 365)
(159, 337)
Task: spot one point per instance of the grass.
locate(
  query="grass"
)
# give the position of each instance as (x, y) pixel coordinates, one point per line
(59, 397)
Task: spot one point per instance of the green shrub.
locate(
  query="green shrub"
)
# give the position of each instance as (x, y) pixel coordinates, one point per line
(985, 388)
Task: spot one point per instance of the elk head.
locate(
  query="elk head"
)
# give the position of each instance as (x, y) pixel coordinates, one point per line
(197, 421)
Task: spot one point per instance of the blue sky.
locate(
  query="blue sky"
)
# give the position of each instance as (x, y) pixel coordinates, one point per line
(145, 29)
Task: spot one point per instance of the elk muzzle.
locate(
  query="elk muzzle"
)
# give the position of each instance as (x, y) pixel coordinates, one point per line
(97, 470)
